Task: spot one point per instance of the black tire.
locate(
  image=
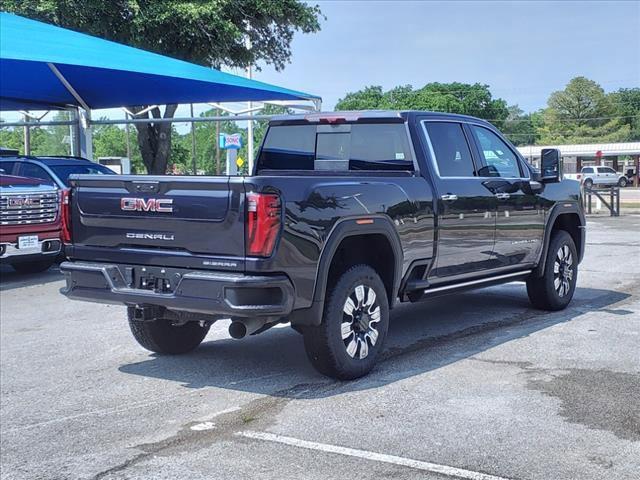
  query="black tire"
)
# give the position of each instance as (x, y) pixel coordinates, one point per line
(545, 292)
(588, 183)
(36, 266)
(622, 182)
(160, 336)
(327, 348)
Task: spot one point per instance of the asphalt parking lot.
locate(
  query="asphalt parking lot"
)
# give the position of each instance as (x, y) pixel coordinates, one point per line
(477, 386)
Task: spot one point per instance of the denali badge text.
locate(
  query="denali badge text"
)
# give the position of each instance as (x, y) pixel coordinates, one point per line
(161, 205)
(151, 236)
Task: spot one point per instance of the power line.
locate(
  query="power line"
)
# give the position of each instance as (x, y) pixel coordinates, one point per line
(568, 119)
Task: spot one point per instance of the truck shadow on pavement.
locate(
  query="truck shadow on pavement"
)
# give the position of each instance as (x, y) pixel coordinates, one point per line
(422, 337)
(10, 279)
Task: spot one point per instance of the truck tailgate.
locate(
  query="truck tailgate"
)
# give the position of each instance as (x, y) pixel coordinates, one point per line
(196, 215)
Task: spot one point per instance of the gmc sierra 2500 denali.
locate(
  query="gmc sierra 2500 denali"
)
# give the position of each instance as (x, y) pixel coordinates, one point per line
(345, 214)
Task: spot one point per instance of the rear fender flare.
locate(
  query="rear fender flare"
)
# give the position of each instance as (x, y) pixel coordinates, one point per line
(348, 227)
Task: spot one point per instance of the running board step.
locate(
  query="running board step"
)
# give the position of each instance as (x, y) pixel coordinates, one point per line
(420, 289)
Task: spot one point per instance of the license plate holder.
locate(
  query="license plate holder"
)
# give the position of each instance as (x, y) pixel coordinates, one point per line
(28, 242)
(154, 279)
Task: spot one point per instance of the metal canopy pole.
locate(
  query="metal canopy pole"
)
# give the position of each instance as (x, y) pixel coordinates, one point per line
(85, 136)
(250, 122)
(84, 123)
(27, 137)
(68, 86)
(217, 144)
(193, 143)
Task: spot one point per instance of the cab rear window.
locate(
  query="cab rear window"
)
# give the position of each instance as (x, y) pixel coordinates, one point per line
(379, 146)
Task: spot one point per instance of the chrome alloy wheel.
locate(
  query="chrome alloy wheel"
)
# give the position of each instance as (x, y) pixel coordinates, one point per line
(361, 313)
(563, 271)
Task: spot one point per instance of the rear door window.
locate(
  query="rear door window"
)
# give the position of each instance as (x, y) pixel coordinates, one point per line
(382, 146)
(449, 146)
(587, 170)
(337, 147)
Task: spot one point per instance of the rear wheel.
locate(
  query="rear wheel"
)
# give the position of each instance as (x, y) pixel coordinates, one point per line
(588, 183)
(35, 266)
(554, 290)
(161, 336)
(354, 325)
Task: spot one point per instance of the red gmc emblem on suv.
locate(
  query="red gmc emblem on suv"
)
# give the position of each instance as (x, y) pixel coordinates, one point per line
(162, 205)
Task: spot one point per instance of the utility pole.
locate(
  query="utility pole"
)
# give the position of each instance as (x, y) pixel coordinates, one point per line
(250, 123)
(193, 143)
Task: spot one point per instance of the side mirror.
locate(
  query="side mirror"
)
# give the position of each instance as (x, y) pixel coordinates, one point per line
(550, 165)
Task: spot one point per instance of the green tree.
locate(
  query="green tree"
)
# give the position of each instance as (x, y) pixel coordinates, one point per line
(207, 32)
(519, 127)
(582, 113)
(111, 141)
(583, 102)
(626, 102)
(369, 98)
(11, 137)
(453, 97)
(52, 140)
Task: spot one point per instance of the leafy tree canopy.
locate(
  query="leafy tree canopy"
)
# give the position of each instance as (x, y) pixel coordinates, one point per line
(580, 113)
(584, 113)
(453, 97)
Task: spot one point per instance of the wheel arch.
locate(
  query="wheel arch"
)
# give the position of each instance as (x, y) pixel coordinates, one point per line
(368, 237)
(570, 219)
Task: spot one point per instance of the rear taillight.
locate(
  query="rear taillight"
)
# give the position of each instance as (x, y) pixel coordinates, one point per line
(263, 223)
(65, 215)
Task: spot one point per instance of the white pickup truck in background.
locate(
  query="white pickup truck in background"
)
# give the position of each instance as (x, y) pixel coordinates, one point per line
(599, 176)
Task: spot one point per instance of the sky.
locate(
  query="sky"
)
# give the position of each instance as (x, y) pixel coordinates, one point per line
(523, 50)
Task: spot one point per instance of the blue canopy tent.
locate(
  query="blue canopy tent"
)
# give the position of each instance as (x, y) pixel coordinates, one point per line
(43, 66)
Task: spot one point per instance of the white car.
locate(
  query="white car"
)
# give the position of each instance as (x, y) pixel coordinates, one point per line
(600, 176)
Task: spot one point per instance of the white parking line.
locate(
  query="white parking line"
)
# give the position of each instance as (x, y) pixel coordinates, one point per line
(373, 456)
(209, 425)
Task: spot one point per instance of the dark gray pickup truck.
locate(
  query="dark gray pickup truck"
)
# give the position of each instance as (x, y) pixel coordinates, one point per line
(345, 214)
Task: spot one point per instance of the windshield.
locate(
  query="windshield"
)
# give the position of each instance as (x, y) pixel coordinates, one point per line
(63, 171)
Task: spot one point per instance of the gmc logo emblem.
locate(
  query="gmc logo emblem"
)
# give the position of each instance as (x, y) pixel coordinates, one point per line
(18, 202)
(160, 205)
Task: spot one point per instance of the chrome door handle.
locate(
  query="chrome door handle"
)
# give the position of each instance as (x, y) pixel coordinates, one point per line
(503, 196)
(449, 197)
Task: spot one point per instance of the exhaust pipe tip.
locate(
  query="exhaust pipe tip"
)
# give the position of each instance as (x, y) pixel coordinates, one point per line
(237, 330)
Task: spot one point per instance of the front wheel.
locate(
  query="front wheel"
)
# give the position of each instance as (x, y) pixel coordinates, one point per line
(554, 290)
(161, 336)
(622, 182)
(354, 325)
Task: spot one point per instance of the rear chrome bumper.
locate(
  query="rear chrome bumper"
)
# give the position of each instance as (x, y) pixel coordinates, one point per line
(212, 293)
(9, 251)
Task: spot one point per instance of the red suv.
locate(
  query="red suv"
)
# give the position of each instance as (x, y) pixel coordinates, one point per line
(31, 223)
